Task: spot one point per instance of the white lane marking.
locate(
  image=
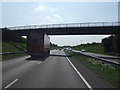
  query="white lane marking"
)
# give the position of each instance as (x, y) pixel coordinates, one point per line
(39, 62)
(11, 83)
(33, 61)
(80, 75)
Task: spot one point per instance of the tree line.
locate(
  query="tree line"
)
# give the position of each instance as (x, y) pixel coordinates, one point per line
(112, 44)
(14, 39)
(53, 46)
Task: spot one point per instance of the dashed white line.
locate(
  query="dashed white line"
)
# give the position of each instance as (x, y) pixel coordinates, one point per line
(11, 83)
(39, 62)
(80, 75)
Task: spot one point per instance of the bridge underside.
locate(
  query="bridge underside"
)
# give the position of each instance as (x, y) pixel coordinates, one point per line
(67, 31)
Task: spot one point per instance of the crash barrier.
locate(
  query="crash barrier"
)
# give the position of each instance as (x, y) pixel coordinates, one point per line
(104, 61)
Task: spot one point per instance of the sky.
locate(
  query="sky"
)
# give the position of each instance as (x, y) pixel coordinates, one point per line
(38, 13)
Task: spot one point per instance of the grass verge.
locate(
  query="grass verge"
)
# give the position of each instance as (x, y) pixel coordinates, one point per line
(12, 56)
(13, 47)
(105, 71)
(99, 49)
(95, 49)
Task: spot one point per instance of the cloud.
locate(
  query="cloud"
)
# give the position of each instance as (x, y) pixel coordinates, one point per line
(70, 18)
(51, 14)
(45, 8)
(40, 8)
(49, 19)
(57, 16)
(42, 23)
(53, 19)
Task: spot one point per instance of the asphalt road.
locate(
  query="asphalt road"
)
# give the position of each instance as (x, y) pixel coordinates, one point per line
(54, 71)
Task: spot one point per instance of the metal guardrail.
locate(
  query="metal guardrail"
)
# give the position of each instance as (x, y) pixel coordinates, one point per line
(68, 25)
(9, 53)
(100, 59)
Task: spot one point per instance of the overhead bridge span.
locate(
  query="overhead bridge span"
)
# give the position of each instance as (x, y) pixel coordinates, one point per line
(93, 28)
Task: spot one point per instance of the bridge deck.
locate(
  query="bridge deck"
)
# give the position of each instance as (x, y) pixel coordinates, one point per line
(96, 28)
(68, 25)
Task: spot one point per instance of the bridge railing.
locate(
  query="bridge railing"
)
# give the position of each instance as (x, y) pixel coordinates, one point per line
(92, 24)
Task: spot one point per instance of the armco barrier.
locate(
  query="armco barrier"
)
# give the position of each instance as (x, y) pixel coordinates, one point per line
(116, 64)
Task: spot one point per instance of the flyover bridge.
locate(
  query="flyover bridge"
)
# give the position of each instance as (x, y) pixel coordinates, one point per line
(92, 28)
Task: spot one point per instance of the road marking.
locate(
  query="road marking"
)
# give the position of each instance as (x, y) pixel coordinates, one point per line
(39, 62)
(80, 75)
(11, 83)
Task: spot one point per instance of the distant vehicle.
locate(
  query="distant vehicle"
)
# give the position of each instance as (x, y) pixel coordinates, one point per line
(60, 48)
(38, 44)
(70, 49)
(83, 50)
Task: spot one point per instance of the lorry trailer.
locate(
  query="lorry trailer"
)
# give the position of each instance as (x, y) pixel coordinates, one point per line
(38, 44)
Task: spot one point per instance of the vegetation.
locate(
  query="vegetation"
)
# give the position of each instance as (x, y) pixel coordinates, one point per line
(0, 47)
(93, 47)
(9, 38)
(109, 45)
(16, 45)
(13, 46)
(105, 71)
(53, 46)
(12, 56)
(112, 44)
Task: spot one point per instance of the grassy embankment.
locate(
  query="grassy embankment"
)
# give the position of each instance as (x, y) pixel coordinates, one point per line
(106, 72)
(95, 49)
(13, 47)
(51, 48)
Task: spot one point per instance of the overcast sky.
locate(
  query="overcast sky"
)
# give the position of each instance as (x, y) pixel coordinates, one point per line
(37, 13)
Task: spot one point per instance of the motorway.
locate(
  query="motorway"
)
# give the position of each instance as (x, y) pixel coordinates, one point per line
(55, 71)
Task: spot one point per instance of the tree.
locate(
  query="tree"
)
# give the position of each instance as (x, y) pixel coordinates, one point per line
(112, 43)
(107, 44)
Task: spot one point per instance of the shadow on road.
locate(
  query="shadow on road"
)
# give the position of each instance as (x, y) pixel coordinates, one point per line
(61, 55)
(36, 58)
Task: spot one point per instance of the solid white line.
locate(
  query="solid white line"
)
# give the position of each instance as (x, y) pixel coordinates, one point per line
(11, 83)
(39, 62)
(80, 75)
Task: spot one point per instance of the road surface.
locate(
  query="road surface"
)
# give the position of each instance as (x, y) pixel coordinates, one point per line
(55, 71)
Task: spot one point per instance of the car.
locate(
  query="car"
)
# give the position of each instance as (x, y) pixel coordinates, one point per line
(60, 48)
(83, 50)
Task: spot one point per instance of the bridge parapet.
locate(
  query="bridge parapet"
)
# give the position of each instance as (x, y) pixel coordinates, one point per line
(68, 25)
